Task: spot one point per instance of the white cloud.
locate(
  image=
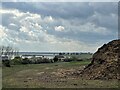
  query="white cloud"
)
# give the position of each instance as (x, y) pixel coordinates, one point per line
(24, 29)
(15, 12)
(12, 24)
(21, 25)
(2, 32)
(4, 37)
(48, 19)
(59, 28)
(58, 44)
(32, 31)
(60, 1)
(90, 27)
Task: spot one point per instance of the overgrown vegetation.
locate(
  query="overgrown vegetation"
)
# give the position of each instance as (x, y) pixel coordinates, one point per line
(6, 63)
(38, 60)
(17, 60)
(6, 52)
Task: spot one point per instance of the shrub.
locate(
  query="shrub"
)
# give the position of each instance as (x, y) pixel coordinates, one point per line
(6, 63)
(55, 59)
(17, 60)
(45, 60)
(52, 61)
(73, 58)
(38, 60)
(68, 60)
(26, 61)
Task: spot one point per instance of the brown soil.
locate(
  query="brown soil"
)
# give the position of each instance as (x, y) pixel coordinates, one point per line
(105, 62)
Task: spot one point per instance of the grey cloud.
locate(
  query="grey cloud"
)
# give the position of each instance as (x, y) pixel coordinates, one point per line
(65, 9)
(105, 8)
(69, 15)
(62, 10)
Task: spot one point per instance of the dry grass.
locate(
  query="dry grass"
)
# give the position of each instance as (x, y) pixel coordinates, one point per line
(54, 75)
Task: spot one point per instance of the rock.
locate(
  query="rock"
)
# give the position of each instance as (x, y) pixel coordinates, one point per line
(29, 78)
(25, 81)
(75, 84)
(104, 64)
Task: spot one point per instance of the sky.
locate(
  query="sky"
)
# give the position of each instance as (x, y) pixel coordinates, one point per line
(58, 26)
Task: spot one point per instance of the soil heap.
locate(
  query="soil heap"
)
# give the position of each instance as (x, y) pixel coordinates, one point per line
(105, 62)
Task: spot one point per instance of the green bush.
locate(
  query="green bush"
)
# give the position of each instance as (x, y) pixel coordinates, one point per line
(68, 60)
(26, 61)
(45, 60)
(55, 59)
(73, 58)
(16, 61)
(38, 60)
(6, 63)
(33, 60)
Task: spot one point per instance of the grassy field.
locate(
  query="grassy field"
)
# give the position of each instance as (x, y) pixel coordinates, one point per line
(53, 75)
(81, 56)
(0, 77)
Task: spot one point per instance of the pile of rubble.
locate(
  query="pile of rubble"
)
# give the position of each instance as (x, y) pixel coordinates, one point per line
(105, 62)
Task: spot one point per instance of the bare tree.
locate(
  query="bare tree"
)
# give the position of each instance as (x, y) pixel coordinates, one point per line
(8, 51)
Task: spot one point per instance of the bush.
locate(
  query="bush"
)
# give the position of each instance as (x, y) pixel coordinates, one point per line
(6, 63)
(68, 60)
(38, 60)
(33, 60)
(45, 60)
(26, 61)
(16, 61)
(52, 61)
(55, 59)
(73, 58)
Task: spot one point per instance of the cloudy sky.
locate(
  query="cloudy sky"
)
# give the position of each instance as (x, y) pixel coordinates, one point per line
(64, 26)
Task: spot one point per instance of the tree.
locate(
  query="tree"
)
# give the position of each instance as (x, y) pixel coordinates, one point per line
(7, 51)
(17, 60)
(60, 53)
(55, 59)
(67, 53)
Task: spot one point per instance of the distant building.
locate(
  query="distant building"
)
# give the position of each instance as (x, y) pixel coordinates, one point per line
(31, 56)
(7, 57)
(60, 57)
(4, 57)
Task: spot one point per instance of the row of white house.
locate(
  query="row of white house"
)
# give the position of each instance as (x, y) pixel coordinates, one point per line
(5, 57)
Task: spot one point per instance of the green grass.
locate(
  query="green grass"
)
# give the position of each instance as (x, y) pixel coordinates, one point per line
(15, 68)
(79, 63)
(0, 77)
(50, 76)
(81, 56)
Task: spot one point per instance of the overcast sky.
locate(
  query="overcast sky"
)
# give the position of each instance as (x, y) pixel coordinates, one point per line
(65, 26)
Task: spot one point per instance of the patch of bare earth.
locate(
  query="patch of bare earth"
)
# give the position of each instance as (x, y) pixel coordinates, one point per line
(105, 63)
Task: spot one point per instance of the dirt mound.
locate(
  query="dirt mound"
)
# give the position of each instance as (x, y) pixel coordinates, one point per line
(104, 64)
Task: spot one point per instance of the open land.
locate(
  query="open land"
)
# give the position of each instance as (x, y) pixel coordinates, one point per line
(52, 75)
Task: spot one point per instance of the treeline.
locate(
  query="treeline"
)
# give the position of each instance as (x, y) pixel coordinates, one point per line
(35, 60)
(6, 52)
(38, 60)
(74, 53)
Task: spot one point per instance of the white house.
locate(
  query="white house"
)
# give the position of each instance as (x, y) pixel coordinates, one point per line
(6, 57)
(60, 57)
